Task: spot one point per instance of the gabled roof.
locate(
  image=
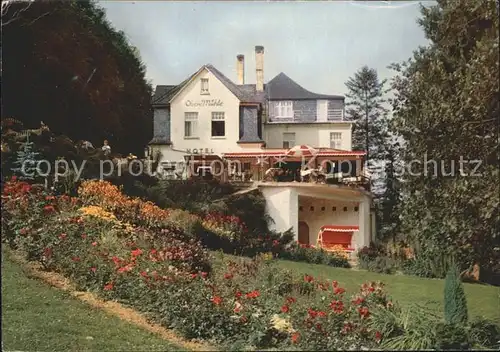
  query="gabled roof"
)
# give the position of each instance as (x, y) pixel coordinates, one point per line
(246, 93)
(283, 87)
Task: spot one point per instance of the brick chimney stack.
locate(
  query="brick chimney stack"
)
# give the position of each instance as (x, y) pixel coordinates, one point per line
(240, 68)
(259, 68)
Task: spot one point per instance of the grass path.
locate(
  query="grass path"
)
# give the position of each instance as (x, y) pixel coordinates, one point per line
(482, 300)
(37, 317)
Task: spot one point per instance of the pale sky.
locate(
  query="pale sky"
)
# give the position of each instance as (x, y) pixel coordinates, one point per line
(317, 44)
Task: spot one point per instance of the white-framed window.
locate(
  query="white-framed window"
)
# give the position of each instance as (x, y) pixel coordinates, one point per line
(335, 140)
(204, 86)
(218, 124)
(288, 139)
(283, 109)
(190, 124)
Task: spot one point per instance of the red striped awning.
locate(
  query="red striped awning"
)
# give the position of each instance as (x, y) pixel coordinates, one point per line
(300, 151)
(339, 228)
(283, 153)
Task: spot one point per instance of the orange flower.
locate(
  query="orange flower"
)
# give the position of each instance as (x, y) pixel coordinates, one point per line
(108, 287)
(136, 252)
(308, 278)
(216, 300)
(253, 294)
(295, 337)
(338, 290)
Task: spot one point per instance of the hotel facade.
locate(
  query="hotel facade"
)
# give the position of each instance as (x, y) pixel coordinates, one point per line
(209, 122)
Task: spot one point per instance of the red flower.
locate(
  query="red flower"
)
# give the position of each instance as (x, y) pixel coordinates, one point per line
(308, 278)
(243, 319)
(358, 300)
(47, 252)
(194, 276)
(116, 260)
(238, 294)
(285, 309)
(126, 268)
(153, 251)
(338, 290)
(319, 327)
(136, 252)
(291, 300)
(337, 306)
(364, 312)
(76, 259)
(14, 178)
(84, 236)
(108, 287)
(94, 244)
(371, 288)
(312, 313)
(62, 236)
(93, 269)
(217, 300)
(378, 336)
(144, 274)
(49, 209)
(228, 276)
(347, 327)
(295, 337)
(204, 275)
(253, 294)
(276, 243)
(321, 314)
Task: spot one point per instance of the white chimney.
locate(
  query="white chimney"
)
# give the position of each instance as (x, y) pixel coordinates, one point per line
(259, 68)
(240, 68)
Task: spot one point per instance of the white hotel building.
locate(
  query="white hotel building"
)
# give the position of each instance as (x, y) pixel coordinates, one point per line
(208, 117)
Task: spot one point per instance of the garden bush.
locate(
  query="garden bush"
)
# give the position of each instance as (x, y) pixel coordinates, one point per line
(376, 258)
(455, 303)
(309, 254)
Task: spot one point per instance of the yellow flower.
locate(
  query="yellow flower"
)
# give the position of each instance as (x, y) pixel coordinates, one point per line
(281, 324)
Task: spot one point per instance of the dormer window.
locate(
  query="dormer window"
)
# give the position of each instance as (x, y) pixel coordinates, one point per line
(283, 109)
(204, 86)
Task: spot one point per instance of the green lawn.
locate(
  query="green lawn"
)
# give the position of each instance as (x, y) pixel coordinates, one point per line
(38, 317)
(482, 300)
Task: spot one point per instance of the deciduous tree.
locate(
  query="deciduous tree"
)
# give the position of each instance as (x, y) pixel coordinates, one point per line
(64, 64)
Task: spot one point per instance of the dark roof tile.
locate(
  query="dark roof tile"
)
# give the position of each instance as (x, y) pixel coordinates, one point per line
(283, 87)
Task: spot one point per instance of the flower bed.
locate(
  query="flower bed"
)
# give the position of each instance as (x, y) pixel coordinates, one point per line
(249, 304)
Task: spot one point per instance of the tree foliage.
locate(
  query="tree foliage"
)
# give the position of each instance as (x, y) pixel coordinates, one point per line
(447, 109)
(365, 108)
(64, 64)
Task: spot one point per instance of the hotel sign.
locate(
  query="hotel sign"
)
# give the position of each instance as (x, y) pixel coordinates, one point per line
(204, 103)
(199, 151)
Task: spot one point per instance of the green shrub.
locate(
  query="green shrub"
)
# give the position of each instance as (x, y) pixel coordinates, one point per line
(455, 302)
(451, 337)
(306, 253)
(375, 258)
(427, 263)
(484, 334)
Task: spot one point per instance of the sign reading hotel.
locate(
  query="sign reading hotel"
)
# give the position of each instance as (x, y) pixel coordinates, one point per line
(204, 103)
(200, 151)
